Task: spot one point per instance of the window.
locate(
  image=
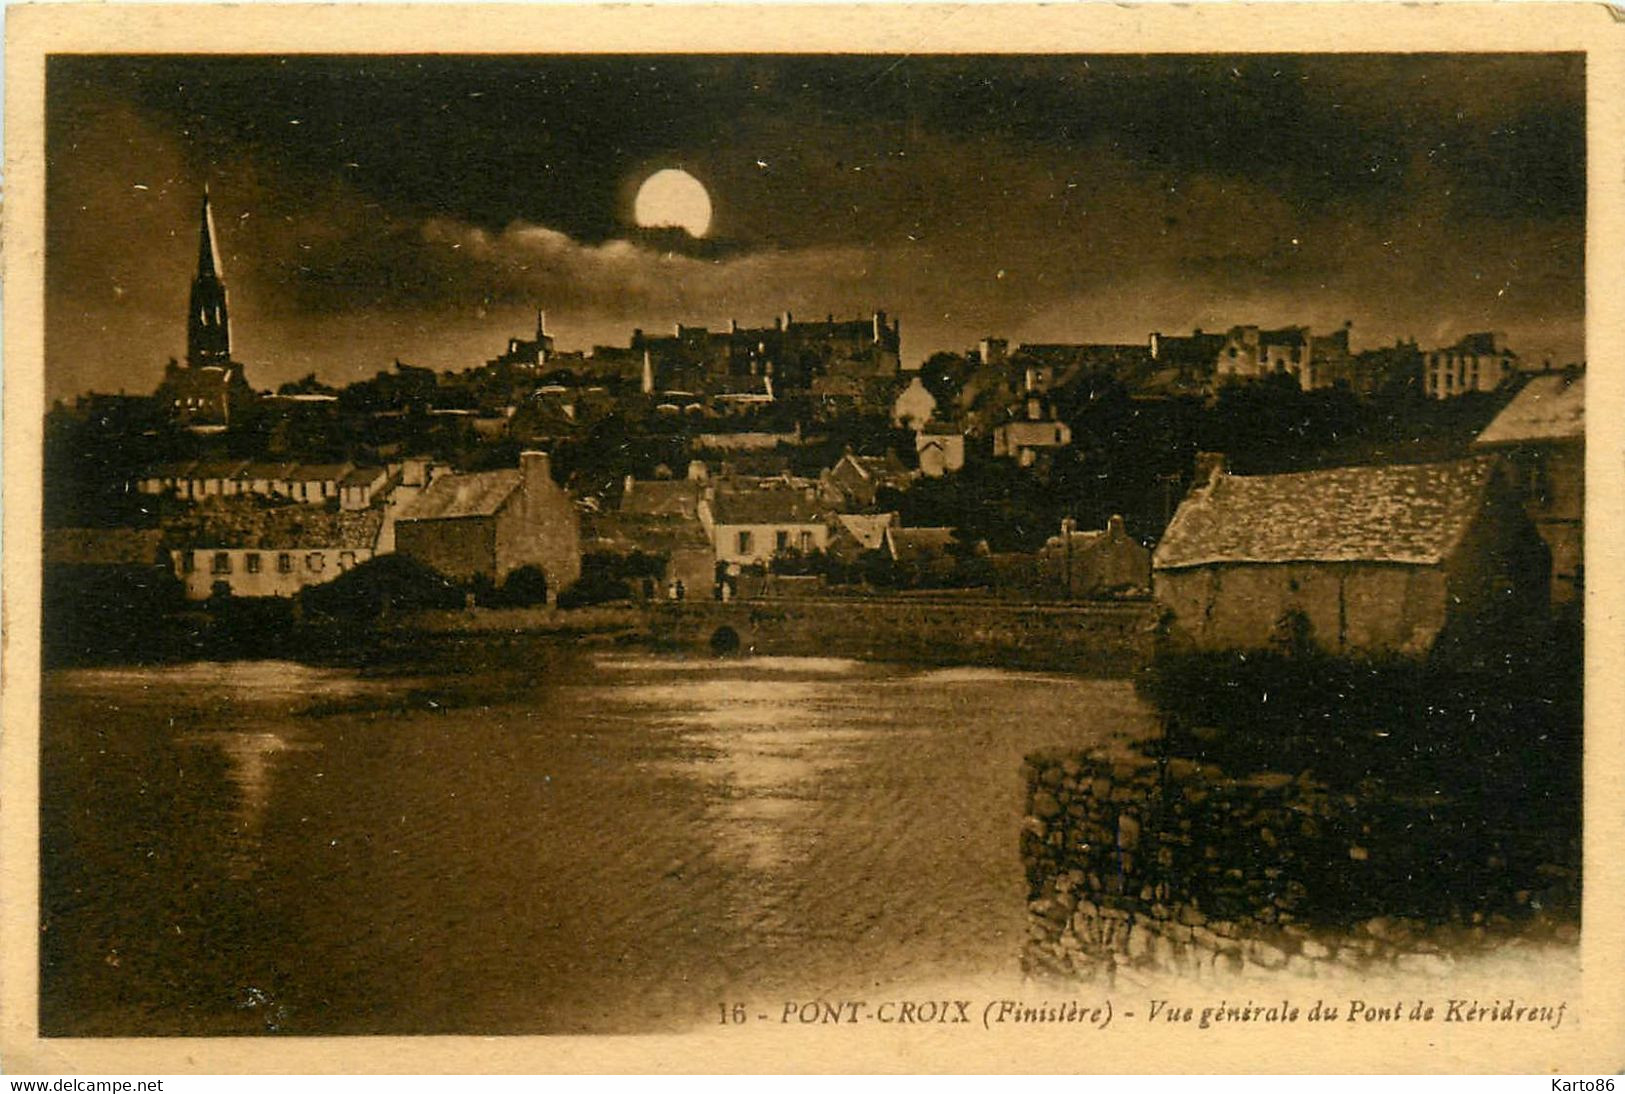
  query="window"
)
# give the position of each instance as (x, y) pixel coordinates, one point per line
(251, 562)
(284, 563)
(315, 562)
(188, 563)
(781, 540)
(1057, 434)
(746, 543)
(221, 563)
(346, 559)
(806, 541)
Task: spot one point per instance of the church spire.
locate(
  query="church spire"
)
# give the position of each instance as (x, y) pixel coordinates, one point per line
(208, 328)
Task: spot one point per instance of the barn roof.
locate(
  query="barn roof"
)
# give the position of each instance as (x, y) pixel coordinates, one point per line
(477, 495)
(1413, 514)
(1549, 408)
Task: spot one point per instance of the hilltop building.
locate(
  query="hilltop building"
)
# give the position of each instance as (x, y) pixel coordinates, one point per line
(208, 390)
(1478, 362)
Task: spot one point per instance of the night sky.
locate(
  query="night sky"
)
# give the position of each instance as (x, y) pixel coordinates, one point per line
(421, 208)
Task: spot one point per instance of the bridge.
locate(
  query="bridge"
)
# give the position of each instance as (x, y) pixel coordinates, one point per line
(1099, 638)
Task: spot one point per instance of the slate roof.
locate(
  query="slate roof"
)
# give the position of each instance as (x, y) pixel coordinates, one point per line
(451, 496)
(1286, 336)
(623, 533)
(769, 506)
(673, 497)
(1549, 408)
(362, 476)
(1482, 343)
(1413, 514)
(919, 544)
(869, 529)
(249, 522)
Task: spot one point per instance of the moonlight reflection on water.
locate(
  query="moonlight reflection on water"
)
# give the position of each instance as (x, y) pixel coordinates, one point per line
(562, 843)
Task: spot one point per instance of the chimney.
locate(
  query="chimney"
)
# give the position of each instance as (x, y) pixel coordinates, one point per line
(535, 467)
(1114, 526)
(1210, 467)
(788, 319)
(541, 324)
(1156, 339)
(1068, 526)
(733, 326)
(628, 485)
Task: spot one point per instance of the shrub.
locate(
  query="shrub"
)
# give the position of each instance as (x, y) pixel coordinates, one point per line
(393, 582)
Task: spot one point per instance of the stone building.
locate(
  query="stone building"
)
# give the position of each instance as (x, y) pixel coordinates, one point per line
(490, 523)
(210, 389)
(1356, 560)
(1035, 434)
(749, 526)
(941, 449)
(855, 482)
(1479, 362)
(1542, 433)
(1103, 562)
(792, 352)
(1313, 360)
(247, 547)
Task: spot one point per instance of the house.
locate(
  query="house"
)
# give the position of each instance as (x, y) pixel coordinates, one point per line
(857, 534)
(663, 497)
(1356, 560)
(679, 542)
(1542, 433)
(914, 406)
(941, 449)
(856, 481)
(930, 553)
(1183, 364)
(247, 547)
(1025, 439)
(1313, 360)
(311, 483)
(1107, 562)
(1479, 362)
(490, 523)
(360, 485)
(749, 526)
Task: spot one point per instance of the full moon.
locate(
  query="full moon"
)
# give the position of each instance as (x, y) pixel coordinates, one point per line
(673, 198)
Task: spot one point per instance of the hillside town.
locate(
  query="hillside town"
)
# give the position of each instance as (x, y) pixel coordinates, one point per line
(1374, 496)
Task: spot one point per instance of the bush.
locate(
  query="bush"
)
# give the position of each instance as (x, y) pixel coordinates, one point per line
(388, 582)
(524, 588)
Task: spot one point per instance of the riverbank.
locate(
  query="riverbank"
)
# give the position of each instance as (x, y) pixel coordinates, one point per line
(1105, 640)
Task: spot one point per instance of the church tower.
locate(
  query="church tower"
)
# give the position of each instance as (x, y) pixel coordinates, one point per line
(208, 330)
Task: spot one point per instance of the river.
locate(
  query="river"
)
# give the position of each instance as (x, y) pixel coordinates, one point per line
(519, 837)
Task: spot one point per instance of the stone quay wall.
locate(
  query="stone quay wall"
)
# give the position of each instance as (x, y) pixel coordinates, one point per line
(1137, 868)
(1101, 639)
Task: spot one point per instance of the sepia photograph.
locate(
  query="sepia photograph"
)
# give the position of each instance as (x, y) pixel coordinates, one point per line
(761, 542)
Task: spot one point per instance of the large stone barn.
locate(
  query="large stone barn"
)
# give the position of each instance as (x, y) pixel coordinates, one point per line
(494, 522)
(1355, 560)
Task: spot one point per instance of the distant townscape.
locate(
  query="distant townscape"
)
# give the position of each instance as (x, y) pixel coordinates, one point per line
(1242, 480)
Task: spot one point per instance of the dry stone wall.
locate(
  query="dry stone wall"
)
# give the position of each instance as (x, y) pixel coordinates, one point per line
(1137, 867)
